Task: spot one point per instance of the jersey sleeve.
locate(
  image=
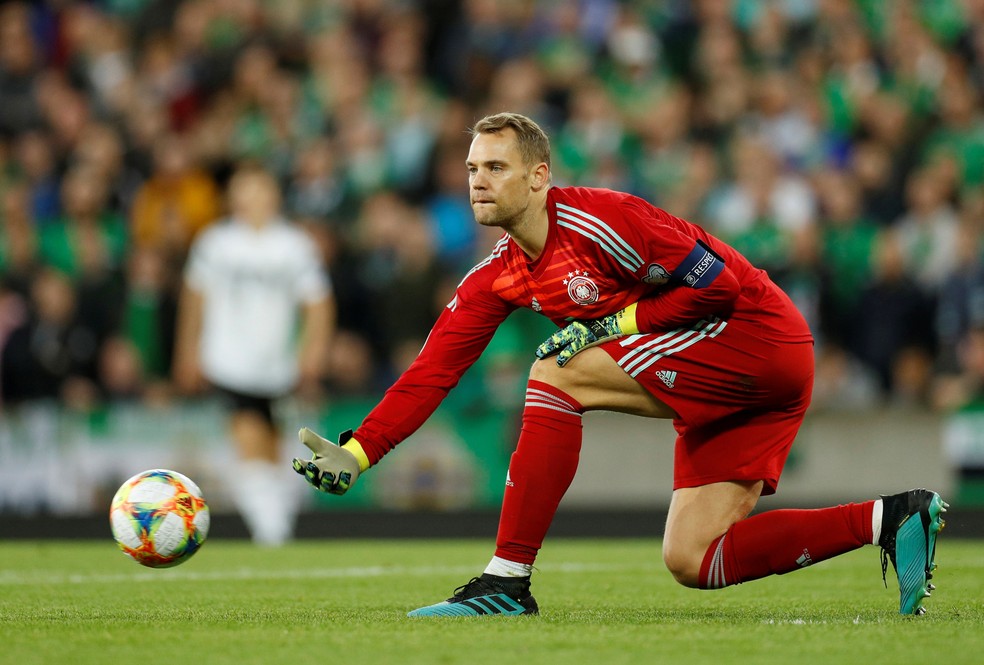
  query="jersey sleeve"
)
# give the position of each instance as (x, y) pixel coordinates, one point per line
(459, 336)
(690, 279)
(199, 269)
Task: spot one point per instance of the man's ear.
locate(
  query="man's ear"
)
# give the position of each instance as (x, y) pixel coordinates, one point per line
(540, 178)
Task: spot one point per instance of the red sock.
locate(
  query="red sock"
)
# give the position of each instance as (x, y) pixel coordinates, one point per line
(540, 471)
(781, 541)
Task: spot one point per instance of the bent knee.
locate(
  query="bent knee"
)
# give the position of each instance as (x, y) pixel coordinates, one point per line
(684, 564)
(545, 370)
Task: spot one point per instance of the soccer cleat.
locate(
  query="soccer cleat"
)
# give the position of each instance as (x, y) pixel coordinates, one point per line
(910, 523)
(483, 596)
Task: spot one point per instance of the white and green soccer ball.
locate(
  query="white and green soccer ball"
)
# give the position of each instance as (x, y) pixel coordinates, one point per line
(159, 518)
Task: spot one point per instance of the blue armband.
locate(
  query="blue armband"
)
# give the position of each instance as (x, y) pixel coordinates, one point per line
(700, 268)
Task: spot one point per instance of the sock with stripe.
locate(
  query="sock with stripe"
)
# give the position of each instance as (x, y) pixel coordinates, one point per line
(540, 472)
(781, 541)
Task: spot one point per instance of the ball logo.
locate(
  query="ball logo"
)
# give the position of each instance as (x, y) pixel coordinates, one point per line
(582, 290)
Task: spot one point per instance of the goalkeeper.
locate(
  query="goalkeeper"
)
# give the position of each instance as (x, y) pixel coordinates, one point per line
(659, 319)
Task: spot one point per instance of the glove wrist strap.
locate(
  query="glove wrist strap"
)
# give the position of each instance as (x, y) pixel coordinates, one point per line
(354, 447)
(626, 319)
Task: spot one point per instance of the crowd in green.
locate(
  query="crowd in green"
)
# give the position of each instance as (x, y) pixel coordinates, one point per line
(839, 144)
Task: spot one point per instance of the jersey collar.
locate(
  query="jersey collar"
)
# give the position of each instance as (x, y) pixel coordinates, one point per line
(539, 264)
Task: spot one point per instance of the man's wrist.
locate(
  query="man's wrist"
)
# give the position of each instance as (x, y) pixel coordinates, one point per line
(354, 447)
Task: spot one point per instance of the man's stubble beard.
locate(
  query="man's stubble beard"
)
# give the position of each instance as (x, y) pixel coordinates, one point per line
(503, 220)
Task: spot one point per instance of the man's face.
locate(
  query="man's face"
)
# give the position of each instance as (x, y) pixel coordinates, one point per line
(498, 180)
(254, 197)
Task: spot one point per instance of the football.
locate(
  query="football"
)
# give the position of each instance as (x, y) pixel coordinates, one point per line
(159, 518)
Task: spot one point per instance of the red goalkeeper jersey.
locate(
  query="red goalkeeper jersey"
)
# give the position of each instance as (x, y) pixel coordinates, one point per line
(604, 251)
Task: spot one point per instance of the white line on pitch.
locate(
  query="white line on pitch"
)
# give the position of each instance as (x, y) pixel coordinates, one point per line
(10, 578)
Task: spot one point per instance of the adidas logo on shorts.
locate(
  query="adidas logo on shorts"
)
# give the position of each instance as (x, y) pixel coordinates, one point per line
(666, 377)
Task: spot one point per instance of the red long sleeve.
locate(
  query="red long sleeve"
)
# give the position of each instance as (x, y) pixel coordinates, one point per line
(461, 333)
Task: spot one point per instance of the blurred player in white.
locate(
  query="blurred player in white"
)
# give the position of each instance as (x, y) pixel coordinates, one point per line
(254, 321)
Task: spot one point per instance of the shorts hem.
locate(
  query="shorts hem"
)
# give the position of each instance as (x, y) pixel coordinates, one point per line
(769, 486)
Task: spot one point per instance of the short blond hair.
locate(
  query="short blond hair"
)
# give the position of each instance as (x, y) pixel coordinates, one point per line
(533, 142)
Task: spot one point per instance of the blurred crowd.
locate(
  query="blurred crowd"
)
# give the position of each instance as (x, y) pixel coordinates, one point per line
(839, 144)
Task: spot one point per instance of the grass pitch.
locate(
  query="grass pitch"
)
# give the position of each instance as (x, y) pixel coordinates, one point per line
(345, 602)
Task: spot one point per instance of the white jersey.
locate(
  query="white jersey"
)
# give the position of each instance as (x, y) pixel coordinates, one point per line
(253, 283)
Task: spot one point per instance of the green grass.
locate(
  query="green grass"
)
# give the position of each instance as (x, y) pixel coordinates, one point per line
(344, 602)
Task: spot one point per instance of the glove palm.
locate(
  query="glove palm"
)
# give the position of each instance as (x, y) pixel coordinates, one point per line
(332, 469)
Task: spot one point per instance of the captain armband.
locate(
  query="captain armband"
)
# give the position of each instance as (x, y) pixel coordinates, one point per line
(699, 268)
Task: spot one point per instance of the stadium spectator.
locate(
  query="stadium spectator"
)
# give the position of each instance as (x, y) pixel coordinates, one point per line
(406, 104)
(448, 211)
(593, 135)
(759, 209)
(18, 240)
(401, 269)
(65, 110)
(120, 371)
(53, 354)
(149, 310)
(969, 45)
(665, 153)
(20, 70)
(889, 123)
(960, 133)
(100, 148)
(848, 243)
(928, 229)
(961, 296)
(96, 48)
(881, 181)
(315, 190)
(175, 203)
(37, 166)
(88, 243)
(894, 337)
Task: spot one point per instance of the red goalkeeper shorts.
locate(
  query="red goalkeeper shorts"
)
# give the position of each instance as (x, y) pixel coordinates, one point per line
(739, 399)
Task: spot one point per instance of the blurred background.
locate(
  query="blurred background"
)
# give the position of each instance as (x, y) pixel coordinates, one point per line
(839, 144)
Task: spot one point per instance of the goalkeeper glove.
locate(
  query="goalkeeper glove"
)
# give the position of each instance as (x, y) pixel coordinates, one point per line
(333, 468)
(579, 335)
